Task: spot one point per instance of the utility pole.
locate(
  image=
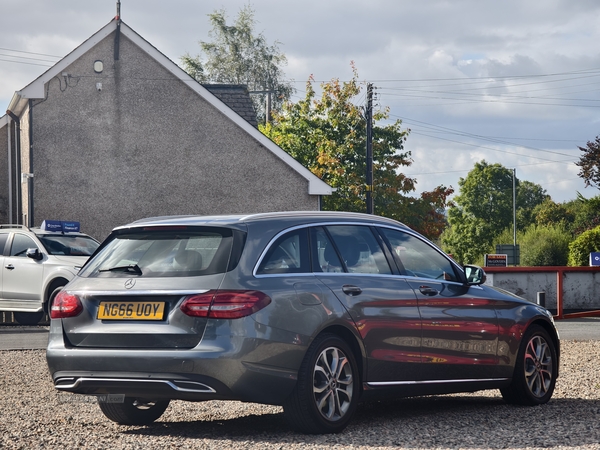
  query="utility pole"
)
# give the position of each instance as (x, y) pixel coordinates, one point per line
(268, 102)
(268, 108)
(369, 120)
(515, 209)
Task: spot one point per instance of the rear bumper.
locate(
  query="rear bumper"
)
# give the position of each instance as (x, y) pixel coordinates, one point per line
(226, 368)
(159, 386)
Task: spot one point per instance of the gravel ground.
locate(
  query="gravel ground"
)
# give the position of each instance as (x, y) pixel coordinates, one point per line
(34, 415)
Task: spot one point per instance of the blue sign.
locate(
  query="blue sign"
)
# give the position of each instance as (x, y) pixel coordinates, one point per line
(70, 227)
(51, 225)
(60, 226)
(595, 259)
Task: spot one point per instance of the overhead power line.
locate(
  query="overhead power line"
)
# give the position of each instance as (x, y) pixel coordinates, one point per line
(477, 136)
(28, 63)
(29, 53)
(25, 57)
(18, 58)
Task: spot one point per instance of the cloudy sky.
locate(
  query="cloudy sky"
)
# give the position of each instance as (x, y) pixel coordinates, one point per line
(515, 82)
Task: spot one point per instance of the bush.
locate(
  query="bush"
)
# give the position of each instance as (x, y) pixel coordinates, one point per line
(545, 245)
(582, 246)
(540, 245)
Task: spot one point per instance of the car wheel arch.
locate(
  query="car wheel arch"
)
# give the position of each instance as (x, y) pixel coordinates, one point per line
(353, 341)
(52, 286)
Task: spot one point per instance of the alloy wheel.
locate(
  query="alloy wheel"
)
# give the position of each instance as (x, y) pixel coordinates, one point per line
(538, 366)
(332, 384)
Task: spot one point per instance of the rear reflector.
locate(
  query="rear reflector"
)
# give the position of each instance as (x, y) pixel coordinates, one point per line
(224, 304)
(65, 305)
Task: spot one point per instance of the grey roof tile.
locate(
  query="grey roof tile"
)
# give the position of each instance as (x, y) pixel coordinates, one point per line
(235, 96)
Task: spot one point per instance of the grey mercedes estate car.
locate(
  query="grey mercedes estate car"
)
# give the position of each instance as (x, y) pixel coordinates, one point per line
(314, 311)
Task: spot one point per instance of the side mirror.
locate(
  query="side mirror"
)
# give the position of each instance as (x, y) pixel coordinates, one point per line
(475, 275)
(34, 253)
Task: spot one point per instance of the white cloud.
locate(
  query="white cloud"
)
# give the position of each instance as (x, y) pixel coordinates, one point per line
(429, 61)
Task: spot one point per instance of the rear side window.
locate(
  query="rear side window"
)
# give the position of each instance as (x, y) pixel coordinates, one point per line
(326, 258)
(288, 254)
(359, 249)
(180, 252)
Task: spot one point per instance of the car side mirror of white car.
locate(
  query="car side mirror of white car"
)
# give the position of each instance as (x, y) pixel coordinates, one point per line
(34, 253)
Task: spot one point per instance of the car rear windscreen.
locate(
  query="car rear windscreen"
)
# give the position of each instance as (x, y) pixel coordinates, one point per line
(163, 252)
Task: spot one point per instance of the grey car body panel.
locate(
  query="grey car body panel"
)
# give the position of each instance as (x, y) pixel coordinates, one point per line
(388, 321)
(405, 343)
(459, 331)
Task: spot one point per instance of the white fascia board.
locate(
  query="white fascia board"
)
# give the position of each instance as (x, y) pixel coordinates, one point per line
(17, 104)
(3, 120)
(315, 185)
(35, 90)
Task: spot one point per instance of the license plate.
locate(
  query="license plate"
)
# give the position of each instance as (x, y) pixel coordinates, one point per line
(131, 310)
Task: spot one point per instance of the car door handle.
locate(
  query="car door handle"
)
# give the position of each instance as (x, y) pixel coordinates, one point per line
(9, 267)
(351, 290)
(426, 290)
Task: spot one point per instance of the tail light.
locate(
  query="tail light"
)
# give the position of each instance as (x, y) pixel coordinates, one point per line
(65, 305)
(225, 304)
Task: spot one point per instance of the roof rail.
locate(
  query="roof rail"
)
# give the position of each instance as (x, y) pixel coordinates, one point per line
(13, 225)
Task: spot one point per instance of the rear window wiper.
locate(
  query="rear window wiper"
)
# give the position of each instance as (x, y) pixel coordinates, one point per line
(133, 268)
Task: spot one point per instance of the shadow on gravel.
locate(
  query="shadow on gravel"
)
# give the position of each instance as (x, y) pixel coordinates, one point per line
(240, 427)
(425, 422)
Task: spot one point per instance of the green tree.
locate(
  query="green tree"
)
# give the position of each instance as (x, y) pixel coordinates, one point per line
(467, 239)
(586, 213)
(551, 213)
(580, 249)
(484, 208)
(540, 245)
(486, 193)
(529, 196)
(328, 136)
(589, 163)
(237, 56)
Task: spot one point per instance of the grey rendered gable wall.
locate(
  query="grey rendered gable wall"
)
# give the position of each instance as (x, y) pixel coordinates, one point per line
(146, 145)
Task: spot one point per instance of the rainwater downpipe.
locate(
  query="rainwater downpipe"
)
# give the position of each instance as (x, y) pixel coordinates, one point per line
(30, 178)
(9, 164)
(17, 122)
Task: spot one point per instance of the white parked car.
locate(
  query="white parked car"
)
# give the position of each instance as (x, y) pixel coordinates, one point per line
(37, 263)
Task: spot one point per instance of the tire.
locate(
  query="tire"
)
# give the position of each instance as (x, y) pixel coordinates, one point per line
(28, 318)
(326, 394)
(536, 370)
(134, 411)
